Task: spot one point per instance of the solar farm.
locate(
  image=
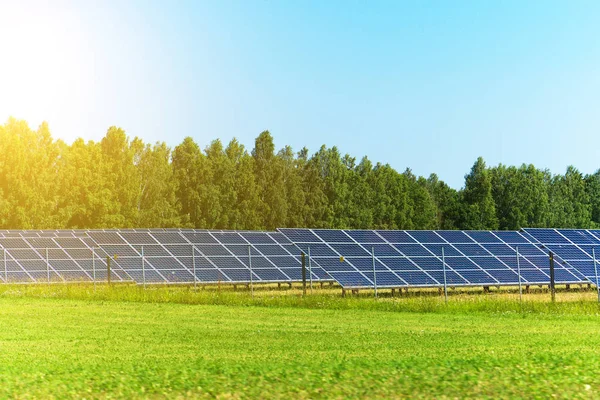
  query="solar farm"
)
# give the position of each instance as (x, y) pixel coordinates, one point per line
(298, 313)
(354, 259)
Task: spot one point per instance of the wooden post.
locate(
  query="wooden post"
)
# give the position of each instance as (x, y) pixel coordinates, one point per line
(304, 274)
(552, 282)
(108, 270)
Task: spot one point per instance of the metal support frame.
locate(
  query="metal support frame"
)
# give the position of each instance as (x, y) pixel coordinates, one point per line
(552, 278)
(445, 283)
(47, 265)
(94, 268)
(519, 276)
(194, 266)
(108, 270)
(250, 265)
(303, 274)
(310, 271)
(374, 272)
(143, 268)
(596, 273)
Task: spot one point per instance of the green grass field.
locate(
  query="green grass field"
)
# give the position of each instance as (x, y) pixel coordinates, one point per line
(71, 342)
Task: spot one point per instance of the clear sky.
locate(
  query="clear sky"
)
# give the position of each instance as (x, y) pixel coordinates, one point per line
(429, 85)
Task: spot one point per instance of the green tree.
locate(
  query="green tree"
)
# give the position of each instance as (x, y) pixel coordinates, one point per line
(268, 170)
(569, 201)
(479, 207)
(157, 202)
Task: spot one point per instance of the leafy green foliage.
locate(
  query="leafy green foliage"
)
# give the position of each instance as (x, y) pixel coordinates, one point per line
(122, 182)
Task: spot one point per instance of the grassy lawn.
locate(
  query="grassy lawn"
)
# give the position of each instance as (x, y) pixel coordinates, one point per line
(56, 347)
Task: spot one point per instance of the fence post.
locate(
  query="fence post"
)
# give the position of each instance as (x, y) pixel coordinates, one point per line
(445, 283)
(250, 265)
(47, 265)
(552, 280)
(194, 266)
(143, 268)
(519, 274)
(108, 270)
(374, 273)
(94, 268)
(303, 274)
(596, 273)
(5, 267)
(310, 270)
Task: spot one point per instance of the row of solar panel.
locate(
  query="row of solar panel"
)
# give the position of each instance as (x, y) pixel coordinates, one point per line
(152, 256)
(430, 258)
(390, 258)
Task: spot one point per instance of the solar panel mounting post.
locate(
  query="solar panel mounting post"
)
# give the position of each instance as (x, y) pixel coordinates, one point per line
(445, 283)
(374, 273)
(303, 274)
(93, 268)
(194, 266)
(5, 268)
(108, 270)
(596, 272)
(310, 270)
(143, 268)
(519, 276)
(47, 265)
(552, 280)
(250, 265)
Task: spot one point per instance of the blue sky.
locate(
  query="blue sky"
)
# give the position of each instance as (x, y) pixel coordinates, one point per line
(429, 85)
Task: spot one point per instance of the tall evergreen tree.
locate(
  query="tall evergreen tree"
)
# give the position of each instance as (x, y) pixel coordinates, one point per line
(479, 207)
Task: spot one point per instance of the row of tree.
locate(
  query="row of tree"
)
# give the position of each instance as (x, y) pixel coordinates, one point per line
(125, 183)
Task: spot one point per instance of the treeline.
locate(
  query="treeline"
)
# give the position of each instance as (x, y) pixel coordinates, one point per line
(125, 183)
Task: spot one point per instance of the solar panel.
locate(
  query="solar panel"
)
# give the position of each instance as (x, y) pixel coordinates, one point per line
(400, 258)
(423, 258)
(576, 247)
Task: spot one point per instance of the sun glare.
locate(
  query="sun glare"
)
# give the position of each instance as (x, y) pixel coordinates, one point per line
(45, 66)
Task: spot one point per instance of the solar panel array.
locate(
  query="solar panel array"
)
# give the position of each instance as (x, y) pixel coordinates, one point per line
(428, 258)
(151, 256)
(578, 247)
(370, 257)
(214, 256)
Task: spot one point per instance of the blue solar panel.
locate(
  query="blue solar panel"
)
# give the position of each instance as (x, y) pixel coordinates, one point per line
(452, 278)
(300, 235)
(478, 277)
(413, 250)
(499, 249)
(396, 237)
(367, 237)
(579, 236)
(460, 263)
(418, 278)
(399, 264)
(404, 258)
(455, 236)
(511, 237)
(483, 237)
(436, 249)
(333, 236)
(386, 278)
(547, 236)
(348, 250)
(568, 252)
(426, 236)
(385, 250)
(472, 250)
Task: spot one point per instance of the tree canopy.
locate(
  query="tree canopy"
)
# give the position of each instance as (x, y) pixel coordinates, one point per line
(122, 182)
